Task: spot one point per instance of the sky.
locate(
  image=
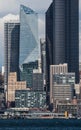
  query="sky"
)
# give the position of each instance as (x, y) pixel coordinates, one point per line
(9, 9)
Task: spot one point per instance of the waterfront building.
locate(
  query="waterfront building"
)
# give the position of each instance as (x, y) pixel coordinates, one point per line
(56, 69)
(62, 36)
(29, 48)
(71, 109)
(11, 48)
(13, 85)
(61, 92)
(30, 99)
(62, 86)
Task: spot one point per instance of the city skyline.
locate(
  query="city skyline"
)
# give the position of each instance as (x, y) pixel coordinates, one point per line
(41, 47)
(13, 11)
(62, 35)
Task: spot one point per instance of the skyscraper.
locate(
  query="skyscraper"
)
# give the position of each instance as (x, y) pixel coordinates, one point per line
(29, 50)
(11, 48)
(62, 35)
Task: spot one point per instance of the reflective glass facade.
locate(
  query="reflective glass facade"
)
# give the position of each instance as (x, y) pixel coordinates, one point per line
(62, 35)
(29, 50)
(27, 72)
(11, 46)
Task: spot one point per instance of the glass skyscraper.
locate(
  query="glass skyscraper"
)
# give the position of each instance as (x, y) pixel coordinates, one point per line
(11, 48)
(29, 48)
(62, 35)
(27, 72)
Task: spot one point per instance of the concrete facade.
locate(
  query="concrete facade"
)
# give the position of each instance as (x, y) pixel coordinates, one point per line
(14, 85)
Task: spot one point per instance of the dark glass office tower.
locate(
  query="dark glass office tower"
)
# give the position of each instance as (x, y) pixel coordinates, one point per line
(49, 43)
(27, 72)
(62, 35)
(11, 48)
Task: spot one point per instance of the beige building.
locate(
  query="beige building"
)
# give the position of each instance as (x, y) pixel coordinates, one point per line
(61, 68)
(77, 90)
(14, 85)
(56, 69)
(61, 92)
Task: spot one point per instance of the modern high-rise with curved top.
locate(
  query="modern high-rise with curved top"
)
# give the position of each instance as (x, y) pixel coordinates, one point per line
(29, 50)
(62, 35)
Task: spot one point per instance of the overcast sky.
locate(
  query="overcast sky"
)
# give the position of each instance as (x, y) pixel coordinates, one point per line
(10, 8)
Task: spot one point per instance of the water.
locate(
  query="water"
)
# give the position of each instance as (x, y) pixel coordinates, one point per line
(40, 124)
(70, 128)
(41, 128)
